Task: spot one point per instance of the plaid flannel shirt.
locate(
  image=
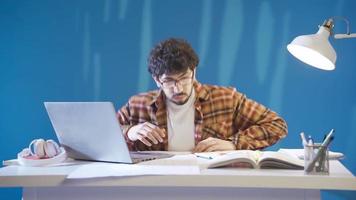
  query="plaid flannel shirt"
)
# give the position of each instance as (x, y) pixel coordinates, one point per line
(220, 112)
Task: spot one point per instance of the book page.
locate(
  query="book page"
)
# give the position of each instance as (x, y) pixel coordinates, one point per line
(271, 159)
(239, 158)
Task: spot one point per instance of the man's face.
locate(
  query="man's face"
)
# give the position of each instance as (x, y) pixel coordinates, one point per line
(177, 87)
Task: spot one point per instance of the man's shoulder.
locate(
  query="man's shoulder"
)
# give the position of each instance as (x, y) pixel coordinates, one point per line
(144, 98)
(220, 98)
(219, 91)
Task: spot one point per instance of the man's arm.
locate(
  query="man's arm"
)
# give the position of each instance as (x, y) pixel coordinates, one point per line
(258, 127)
(147, 133)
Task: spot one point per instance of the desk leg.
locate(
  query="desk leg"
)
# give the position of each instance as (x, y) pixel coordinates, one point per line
(171, 193)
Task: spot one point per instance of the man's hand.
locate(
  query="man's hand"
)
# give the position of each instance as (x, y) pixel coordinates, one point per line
(214, 144)
(147, 133)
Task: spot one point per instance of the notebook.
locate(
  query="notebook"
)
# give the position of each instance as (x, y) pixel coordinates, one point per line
(91, 131)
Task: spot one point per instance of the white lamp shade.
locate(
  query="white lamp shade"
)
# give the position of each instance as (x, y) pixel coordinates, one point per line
(314, 50)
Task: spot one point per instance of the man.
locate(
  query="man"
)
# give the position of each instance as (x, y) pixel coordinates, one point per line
(185, 115)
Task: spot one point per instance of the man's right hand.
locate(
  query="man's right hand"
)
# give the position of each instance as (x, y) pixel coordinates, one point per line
(147, 133)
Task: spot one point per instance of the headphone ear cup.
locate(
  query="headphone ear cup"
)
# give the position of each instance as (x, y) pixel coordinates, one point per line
(51, 148)
(37, 148)
(55, 144)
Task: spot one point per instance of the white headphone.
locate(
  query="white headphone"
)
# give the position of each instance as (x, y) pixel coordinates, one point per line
(44, 149)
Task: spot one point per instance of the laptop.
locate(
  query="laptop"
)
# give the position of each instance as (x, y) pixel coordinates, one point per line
(91, 131)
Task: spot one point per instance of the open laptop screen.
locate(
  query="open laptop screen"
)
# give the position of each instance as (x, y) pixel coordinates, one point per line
(89, 130)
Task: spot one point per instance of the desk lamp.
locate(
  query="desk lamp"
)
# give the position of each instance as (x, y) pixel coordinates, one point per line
(315, 49)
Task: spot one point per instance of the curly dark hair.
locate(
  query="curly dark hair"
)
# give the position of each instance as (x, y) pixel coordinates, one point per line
(172, 56)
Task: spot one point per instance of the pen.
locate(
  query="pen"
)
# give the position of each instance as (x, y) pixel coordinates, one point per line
(304, 141)
(205, 157)
(308, 147)
(310, 141)
(328, 137)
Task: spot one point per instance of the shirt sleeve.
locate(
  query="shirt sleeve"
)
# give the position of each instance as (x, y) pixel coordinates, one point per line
(258, 127)
(123, 116)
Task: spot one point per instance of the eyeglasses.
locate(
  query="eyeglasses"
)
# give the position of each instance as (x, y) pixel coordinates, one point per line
(185, 80)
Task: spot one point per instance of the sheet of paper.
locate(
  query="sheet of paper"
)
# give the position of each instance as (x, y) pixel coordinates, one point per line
(300, 153)
(177, 165)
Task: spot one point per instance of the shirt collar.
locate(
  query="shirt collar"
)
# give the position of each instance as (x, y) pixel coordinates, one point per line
(201, 92)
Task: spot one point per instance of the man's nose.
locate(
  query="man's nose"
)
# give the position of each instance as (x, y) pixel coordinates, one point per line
(178, 87)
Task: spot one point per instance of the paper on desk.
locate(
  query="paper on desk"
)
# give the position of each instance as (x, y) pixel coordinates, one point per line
(181, 165)
(300, 153)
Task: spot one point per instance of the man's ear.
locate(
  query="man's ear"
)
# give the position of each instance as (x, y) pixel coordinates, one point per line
(156, 81)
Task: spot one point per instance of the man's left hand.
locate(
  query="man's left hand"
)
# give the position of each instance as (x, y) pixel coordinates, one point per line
(214, 144)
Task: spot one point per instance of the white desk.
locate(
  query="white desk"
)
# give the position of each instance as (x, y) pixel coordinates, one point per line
(229, 183)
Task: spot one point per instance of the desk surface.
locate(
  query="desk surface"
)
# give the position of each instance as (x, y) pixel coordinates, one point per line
(339, 179)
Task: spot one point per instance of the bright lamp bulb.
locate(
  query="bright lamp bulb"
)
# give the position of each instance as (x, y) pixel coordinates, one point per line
(311, 57)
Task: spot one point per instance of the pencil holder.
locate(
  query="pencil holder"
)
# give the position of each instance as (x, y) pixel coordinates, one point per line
(316, 159)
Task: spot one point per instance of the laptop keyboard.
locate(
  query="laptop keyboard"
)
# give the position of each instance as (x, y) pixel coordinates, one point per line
(146, 156)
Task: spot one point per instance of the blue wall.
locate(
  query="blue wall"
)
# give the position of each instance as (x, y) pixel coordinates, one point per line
(79, 50)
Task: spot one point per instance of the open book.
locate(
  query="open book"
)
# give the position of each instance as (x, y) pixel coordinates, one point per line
(251, 159)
